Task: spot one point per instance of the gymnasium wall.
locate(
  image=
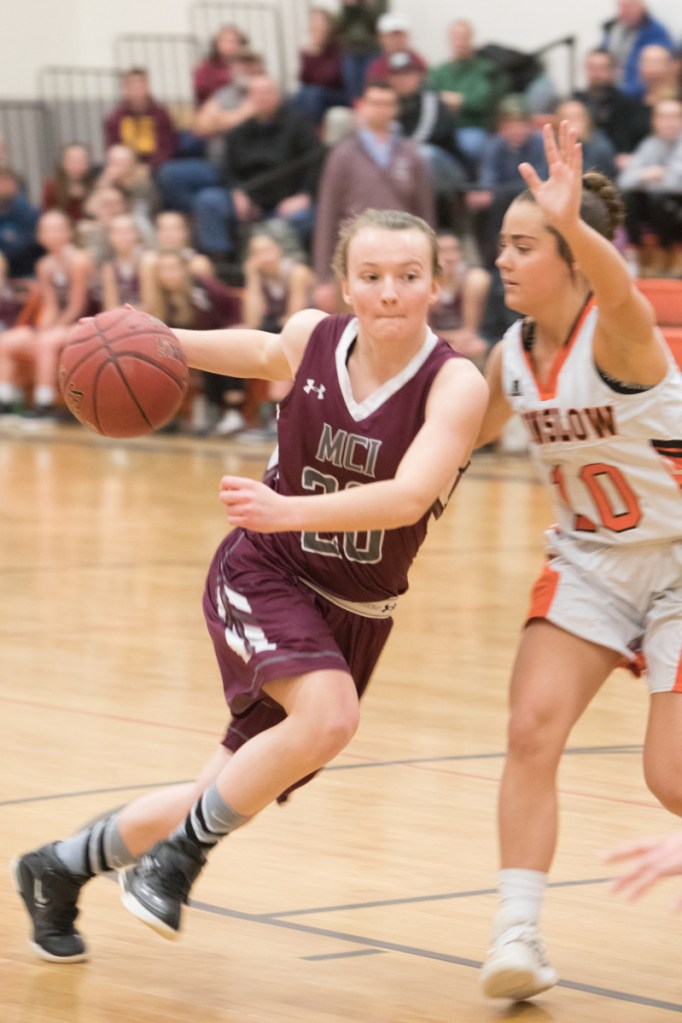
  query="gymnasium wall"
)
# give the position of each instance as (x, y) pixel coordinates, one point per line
(36, 33)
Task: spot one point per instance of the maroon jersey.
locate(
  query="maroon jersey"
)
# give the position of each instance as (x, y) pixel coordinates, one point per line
(128, 285)
(329, 442)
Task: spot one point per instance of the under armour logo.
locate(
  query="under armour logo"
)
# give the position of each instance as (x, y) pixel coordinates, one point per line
(516, 389)
(319, 391)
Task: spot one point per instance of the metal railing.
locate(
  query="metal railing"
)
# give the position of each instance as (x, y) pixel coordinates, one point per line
(265, 24)
(168, 59)
(28, 144)
(78, 100)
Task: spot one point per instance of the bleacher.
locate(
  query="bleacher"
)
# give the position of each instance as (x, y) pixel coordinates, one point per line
(74, 100)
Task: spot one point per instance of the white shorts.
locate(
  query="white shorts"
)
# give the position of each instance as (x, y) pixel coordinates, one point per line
(628, 599)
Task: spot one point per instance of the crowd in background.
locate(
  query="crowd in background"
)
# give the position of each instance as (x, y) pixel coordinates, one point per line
(235, 220)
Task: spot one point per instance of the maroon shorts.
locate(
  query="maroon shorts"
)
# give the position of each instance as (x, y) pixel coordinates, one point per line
(266, 625)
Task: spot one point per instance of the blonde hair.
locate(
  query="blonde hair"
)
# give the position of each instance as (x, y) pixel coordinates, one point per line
(386, 220)
(174, 308)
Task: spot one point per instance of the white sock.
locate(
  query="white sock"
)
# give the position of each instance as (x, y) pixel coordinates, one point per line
(44, 395)
(8, 393)
(522, 892)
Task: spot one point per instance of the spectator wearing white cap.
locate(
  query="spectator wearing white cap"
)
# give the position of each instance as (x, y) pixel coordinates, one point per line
(393, 30)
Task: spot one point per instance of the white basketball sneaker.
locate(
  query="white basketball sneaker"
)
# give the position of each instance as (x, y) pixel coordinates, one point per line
(516, 967)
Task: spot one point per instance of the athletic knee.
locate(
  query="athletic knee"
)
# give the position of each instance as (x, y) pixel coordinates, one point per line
(531, 738)
(334, 730)
(665, 783)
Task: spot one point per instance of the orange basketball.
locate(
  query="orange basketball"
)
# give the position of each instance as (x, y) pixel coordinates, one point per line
(123, 373)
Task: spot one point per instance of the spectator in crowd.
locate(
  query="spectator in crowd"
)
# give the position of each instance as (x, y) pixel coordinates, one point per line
(271, 169)
(598, 151)
(120, 276)
(624, 119)
(658, 75)
(320, 73)
(359, 42)
(18, 220)
(141, 123)
(64, 277)
(92, 232)
(172, 232)
(18, 296)
(181, 180)
(471, 86)
(183, 299)
(626, 35)
(457, 315)
(371, 167)
(123, 170)
(276, 286)
(215, 70)
(652, 190)
(394, 37)
(424, 118)
(499, 180)
(73, 181)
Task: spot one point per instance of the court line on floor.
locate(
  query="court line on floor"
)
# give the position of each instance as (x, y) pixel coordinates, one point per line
(407, 762)
(411, 899)
(391, 946)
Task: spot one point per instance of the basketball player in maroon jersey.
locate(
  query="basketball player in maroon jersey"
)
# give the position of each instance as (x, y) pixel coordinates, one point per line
(373, 437)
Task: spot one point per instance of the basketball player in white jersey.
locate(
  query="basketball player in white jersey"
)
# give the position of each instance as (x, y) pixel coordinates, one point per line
(601, 397)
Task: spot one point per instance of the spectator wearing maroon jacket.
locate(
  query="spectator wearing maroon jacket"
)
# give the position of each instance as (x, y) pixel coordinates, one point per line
(320, 69)
(72, 182)
(200, 302)
(215, 70)
(141, 123)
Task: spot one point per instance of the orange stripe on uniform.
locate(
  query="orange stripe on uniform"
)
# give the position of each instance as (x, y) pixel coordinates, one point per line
(677, 688)
(542, 594)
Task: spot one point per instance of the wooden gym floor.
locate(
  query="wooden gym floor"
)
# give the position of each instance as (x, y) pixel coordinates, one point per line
(367, 898)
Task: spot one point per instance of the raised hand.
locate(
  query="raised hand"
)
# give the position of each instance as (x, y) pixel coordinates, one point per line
(559, 196)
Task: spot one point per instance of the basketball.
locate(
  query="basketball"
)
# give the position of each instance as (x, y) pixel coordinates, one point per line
(122, 373)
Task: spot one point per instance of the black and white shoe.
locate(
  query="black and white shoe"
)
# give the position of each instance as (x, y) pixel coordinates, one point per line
(50, 893)
(155, 889)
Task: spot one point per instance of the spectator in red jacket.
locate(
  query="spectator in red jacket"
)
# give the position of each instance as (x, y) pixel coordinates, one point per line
(215, 70)
(141, 123)
(72, 182)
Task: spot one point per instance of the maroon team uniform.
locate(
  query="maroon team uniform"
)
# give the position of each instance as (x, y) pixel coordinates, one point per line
(284, 604)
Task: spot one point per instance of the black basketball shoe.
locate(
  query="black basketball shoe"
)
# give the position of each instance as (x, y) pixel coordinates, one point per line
(155, 889)
(50, 893)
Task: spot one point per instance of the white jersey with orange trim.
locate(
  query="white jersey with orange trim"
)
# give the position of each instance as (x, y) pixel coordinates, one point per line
(612, 460)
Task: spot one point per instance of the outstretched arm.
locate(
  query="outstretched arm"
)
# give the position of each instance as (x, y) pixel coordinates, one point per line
(647, 860)
(252, 354)
(626, 344)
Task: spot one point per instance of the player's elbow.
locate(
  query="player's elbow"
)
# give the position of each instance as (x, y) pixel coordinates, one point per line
(412, 506)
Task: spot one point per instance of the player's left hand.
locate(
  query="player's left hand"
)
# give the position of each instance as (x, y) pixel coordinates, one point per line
(251, 504)
(560, 195)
